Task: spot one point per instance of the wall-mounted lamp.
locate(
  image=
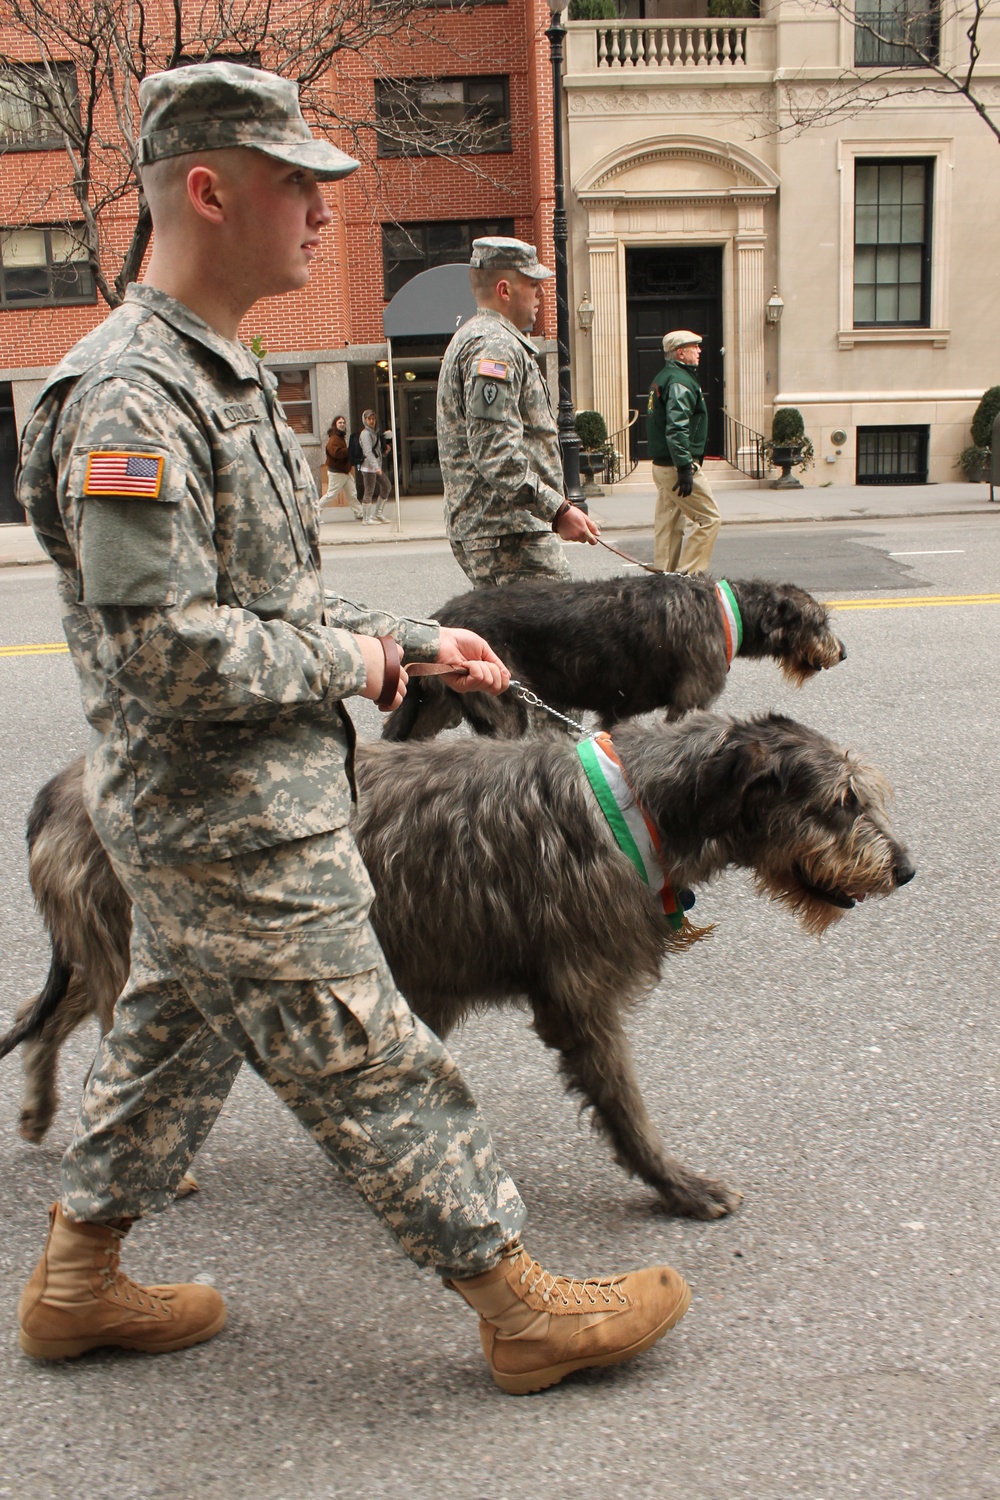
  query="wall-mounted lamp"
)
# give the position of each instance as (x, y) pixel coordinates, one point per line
(585, 313)
(774, 307)
(382, 364)
(409, 374)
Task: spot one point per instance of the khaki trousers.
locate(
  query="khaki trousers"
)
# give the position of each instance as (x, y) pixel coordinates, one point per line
(668, 524)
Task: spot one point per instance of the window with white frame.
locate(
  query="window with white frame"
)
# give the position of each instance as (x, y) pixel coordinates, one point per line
(34, 100)
(892, 242)
(43, 267)
(295, 394)
(451, 116)
(896, 33)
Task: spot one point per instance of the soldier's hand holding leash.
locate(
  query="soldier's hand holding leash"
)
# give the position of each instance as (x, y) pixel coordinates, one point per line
(476, 668)
(574, 525)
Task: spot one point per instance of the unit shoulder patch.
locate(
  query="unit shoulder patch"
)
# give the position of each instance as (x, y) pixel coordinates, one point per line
(123, 473)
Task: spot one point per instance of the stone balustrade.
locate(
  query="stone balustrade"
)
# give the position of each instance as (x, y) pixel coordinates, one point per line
(670, 46)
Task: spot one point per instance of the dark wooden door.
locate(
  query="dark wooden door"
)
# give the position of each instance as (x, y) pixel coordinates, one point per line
(675, 288)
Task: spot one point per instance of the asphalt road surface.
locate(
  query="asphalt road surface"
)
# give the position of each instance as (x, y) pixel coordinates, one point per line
(842, 1340)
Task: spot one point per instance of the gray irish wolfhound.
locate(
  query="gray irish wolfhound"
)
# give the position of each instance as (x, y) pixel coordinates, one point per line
(618, 647)
(478, 850)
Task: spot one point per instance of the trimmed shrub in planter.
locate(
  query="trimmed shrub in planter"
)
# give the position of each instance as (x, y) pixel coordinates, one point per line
(593, 431)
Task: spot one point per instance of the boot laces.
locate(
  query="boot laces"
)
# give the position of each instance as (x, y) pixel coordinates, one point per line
(589, 1291)
(113, 1279)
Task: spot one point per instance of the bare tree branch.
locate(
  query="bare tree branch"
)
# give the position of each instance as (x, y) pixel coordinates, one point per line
(902, 38)
(72, 68)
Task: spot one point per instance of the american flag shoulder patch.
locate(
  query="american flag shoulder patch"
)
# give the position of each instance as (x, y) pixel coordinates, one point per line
(493, 369)
(124, 474)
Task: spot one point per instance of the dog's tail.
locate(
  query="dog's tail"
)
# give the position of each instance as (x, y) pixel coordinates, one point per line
(49, 1000)
(428, 708)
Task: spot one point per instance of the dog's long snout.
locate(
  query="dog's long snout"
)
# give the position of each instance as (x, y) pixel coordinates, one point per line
(904, 868)
(843, 650)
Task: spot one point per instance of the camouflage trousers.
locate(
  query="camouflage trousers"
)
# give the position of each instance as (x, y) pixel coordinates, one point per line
(512, 559)
(269, 957)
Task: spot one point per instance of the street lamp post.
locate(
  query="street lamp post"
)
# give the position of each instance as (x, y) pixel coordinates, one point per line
(569, 438)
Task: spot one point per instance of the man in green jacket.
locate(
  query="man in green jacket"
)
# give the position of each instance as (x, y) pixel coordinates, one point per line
(676, 429)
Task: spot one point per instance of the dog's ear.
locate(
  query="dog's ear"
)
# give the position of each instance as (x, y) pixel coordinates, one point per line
(781, 614)
(750, 772)
(744, 769)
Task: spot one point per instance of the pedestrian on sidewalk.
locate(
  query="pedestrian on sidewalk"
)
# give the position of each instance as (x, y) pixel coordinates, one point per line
(164, 482)
(339, 469)
(377, 487)
(498, 442)
(676, 430)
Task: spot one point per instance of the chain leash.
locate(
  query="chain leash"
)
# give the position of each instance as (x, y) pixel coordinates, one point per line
(533, 701)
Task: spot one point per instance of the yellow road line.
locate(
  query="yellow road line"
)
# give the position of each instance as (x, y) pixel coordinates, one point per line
(914, 603)
(42, 649)
(52, 648)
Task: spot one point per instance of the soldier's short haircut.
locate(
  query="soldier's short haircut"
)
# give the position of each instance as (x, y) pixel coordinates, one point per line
(485, 278)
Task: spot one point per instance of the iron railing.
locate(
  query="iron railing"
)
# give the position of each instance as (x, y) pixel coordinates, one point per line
(619, 462)
(745, 449)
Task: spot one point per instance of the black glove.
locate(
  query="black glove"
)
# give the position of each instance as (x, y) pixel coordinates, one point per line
(685, 480)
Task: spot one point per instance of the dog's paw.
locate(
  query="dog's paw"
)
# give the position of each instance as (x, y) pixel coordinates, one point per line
(700, 1198)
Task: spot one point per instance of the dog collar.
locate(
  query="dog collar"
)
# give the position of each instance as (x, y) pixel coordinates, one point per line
(732, 620)
(634, 831)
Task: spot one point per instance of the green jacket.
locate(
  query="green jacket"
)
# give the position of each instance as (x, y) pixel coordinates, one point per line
(677, 417)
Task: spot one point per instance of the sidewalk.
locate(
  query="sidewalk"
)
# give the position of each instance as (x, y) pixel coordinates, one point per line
(630, 508)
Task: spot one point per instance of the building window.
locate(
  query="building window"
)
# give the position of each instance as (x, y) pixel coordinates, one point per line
(892, 243)
(44, 268)
(892, 455)
(408, 249)
(896, 33)
(295, 394)
(33, 101)
(443, 116)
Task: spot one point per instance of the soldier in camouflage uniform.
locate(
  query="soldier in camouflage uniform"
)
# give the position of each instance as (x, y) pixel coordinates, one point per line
(162, 477)
(498, 442)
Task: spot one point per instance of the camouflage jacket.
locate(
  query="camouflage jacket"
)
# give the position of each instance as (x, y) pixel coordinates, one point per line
(162, 478)
(497, 436)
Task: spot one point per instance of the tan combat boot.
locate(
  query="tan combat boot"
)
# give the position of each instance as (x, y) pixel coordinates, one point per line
(537, 1328)
(78, 1299)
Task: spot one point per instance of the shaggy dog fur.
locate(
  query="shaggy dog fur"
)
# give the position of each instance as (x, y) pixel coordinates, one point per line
(514, 836)
(619, 647)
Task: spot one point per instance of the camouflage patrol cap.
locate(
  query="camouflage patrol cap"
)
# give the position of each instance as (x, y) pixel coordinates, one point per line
(214, 105)
(508, 255)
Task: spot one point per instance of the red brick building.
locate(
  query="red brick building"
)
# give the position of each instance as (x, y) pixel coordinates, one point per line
(473, 82)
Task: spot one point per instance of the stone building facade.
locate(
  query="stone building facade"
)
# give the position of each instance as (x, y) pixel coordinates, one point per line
(696, 203)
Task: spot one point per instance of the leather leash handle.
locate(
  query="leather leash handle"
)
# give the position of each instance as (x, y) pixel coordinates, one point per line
(434, 669)
(393, 665)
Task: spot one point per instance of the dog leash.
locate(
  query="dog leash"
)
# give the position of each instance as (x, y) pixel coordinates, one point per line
(633, 560)
(441, 669)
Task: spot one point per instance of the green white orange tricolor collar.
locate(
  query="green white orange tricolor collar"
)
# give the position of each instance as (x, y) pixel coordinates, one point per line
(732, 620)
(634, 831)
